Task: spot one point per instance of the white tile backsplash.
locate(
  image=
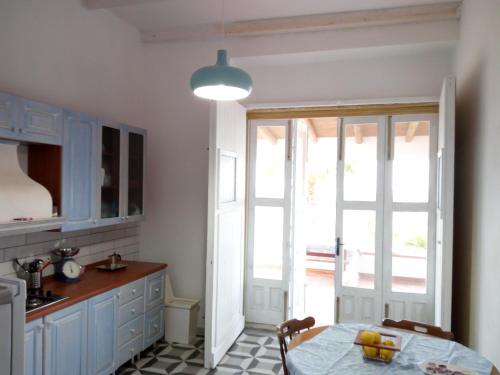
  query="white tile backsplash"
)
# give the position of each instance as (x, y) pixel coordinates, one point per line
(95, 245)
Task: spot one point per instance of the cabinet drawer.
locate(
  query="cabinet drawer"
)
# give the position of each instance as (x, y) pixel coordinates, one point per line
(155, 290)
(131, 291)
(154, 326)
(131, 311)
(129, 350)
(130, 330)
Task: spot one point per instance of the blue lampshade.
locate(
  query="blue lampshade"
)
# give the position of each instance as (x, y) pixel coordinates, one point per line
(221, 81)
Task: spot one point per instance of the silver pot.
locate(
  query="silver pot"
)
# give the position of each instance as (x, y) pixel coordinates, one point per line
(114, 258)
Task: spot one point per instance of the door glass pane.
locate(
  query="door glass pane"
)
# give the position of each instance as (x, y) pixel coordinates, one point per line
(410, 169)
(110, 190)
(360, 162)
(135, 173)
(268, 243)
(409, 252)
(358, 268)
(270, 162)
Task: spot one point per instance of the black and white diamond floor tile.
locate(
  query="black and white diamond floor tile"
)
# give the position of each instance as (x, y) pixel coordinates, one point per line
(255, 352)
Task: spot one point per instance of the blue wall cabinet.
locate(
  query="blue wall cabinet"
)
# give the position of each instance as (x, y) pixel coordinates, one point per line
(39, 122)
(135, 173)
(120, 178)
(79, 170)
(8, 116)
(33, 348)
(66, 341)
(102, 333)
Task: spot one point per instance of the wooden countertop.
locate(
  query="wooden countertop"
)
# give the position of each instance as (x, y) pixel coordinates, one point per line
(92, 283)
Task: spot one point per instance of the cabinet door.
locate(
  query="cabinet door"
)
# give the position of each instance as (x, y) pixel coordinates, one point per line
(40, 122)
(102, 331)
(8, 116)
(79, 170)
(109, 173)
(134, 182)
(65, 351)
(33, 348)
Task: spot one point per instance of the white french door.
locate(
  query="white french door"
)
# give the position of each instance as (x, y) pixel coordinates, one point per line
(360, 194)
(268, 240)
(354, 197)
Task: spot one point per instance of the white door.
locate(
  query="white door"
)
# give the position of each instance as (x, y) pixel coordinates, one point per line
(268, 221)
(444, 206)
(360, 175)
(409, 218)
(224, 317)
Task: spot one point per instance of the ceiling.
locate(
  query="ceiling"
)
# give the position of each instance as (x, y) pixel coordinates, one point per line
(165, 14)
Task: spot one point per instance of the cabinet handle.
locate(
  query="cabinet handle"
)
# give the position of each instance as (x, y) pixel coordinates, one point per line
(157, 290)
(21, 130)
(39, 327)
(132, 311)
(155, 326)
(132, 331)
(132, 350)
(133, 291)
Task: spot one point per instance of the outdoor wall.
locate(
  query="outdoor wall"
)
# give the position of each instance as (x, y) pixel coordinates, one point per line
(58, 52)
(178, 123)
(476, 304)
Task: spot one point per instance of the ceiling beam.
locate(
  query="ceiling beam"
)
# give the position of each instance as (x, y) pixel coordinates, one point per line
(410, 132)
(305, 23)
(311, 129)
(358, 134)
(267, 134)
(105, 4)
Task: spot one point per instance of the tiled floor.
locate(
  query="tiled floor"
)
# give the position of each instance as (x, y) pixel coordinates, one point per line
(254, 352)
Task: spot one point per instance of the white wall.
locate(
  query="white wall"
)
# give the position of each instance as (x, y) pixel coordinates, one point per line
(476, 301)
(175, 227)
(58, 52)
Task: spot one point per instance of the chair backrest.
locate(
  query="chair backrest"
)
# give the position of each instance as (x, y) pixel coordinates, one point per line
(419, 328)
(289, 329)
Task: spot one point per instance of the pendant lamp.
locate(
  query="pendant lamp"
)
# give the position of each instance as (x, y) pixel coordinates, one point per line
(221, 81)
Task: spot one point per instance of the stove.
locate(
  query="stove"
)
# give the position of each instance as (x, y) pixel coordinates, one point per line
(38, 299)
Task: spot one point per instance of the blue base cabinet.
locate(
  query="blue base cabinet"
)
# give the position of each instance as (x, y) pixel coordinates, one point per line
(65, 349)
(102, 333)
(33, 348)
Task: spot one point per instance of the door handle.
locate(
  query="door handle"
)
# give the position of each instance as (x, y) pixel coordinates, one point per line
(337, 310)
(285, 304)
(338, 244)
(386, 311)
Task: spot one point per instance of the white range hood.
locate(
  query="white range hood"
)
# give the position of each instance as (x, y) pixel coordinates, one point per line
(20, 196)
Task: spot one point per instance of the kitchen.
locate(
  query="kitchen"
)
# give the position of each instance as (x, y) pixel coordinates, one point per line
(110, 172)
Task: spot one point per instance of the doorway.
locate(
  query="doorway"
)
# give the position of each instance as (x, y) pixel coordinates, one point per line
(341, 219)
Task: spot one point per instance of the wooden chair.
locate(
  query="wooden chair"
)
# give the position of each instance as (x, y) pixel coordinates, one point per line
(289, 329)
(419, 328)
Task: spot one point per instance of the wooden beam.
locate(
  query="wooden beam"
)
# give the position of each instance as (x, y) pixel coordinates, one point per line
(267, 134)
(311, 128)
(343, 111)
(358, 134)
(305, 23)
(105, 4)
(410, 132)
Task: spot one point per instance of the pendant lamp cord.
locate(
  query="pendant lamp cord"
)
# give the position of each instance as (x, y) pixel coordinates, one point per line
(223, 25)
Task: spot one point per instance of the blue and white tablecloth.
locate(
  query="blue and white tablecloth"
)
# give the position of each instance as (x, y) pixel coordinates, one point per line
(333, 352)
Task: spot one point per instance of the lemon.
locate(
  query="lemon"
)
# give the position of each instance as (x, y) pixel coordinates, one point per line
(386, 354)
(376, 338)
(367, 337)
(370, 352)
(388, 342)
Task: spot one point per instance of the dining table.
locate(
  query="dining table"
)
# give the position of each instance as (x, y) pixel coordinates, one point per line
(330, 350)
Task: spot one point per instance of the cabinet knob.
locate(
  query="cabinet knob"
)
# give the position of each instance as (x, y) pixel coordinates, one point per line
(155, 326)
(39, 327)
(157, 290)
(132, 311)
(132, 331)
(133, 291)
(132, 350)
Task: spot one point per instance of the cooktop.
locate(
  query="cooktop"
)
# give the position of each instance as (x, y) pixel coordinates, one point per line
(37, 300)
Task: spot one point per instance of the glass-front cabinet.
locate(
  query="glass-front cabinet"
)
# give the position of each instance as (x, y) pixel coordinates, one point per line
(120, 190)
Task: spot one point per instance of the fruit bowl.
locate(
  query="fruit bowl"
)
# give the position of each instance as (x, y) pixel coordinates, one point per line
(378, 346)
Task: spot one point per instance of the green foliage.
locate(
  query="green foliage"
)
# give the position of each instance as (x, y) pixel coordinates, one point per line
(417, 241)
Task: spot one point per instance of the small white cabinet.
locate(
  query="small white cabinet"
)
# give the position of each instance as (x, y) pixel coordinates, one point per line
(33, 348)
